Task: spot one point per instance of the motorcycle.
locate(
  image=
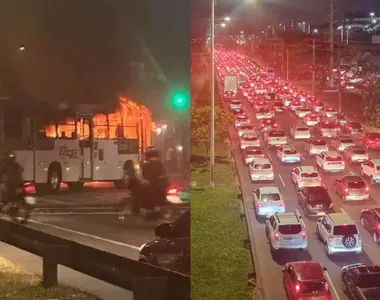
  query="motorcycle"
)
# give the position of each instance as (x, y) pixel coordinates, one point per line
(19, 208)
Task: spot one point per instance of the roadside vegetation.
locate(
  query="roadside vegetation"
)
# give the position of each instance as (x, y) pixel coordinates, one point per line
(17, 283)
(220, 264)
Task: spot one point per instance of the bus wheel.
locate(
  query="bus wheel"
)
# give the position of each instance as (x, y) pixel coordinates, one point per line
(54, 178)
(76, 186)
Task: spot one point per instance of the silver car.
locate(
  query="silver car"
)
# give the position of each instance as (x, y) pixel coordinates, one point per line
(356, 154)
(244, 129)
(286, 231)
(251, 153)
(249, 140)
(342, 142)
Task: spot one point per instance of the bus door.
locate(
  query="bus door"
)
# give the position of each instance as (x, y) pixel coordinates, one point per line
(85, 146)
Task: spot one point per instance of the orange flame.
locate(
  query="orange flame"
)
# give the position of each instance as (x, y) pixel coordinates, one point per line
(130, 121)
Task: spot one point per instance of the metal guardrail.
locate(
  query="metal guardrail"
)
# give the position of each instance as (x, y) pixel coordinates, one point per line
(144, 280)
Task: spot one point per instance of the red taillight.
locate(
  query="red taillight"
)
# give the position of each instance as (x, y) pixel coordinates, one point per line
(29, 189)
(346, 190)
(343, 163)
(275, 125)
(331, 205)
(297, 288)
(378, 226)
(261, 155)
(367, 189)
(326, 286)
(277, 236)
(172, 191)
(303, 234)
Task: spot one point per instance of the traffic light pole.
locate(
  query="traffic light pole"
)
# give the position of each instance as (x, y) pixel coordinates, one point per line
(339, 82)
(313, 74)
(212, 119)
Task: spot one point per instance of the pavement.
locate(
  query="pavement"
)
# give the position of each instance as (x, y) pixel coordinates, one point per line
(268, 267)
(99, 228)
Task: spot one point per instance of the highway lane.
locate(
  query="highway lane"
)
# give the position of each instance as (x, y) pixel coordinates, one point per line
(269, 268)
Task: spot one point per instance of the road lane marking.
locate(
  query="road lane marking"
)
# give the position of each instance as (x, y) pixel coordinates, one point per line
(301, 155)
(331, 285)
(301, 220)
(270, 157)
(282, 181)
(352, 173)
(85, 234)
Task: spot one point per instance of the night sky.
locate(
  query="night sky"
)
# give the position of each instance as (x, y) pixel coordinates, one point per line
(258, 13)
(80, 50)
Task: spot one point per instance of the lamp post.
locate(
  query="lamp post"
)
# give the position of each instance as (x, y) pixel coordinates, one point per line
(348, 34)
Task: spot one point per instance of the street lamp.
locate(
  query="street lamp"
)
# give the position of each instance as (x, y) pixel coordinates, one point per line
(341, 28)
(227, 19)
(315, 30)
(223, 25)
(347, 33)
(22, 48)
(212, 127)
(372, 14)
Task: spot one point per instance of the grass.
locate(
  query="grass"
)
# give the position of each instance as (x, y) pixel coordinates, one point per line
(220, 264)
(17, 283)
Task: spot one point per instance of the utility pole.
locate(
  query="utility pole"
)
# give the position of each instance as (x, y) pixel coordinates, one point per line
(212, 131)
(313, 73)
(339, 82)
(331, 66)
(287, 64)
(282, 58)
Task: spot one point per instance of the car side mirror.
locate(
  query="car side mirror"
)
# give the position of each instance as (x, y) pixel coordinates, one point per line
(324, 269)
(319, 220)
(163, 230)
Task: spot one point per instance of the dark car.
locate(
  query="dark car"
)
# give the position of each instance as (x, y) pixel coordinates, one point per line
(315, 201)
(370, 220)
(361, 282)
(351, 128)
(351, 188)
(171, 248)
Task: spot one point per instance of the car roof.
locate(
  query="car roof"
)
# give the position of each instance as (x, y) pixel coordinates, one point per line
(308, 270)
(287, 218)
(340, 218)
(307, 169)
(269, 190)
(352, 178)
(332, 153)
(301, 126)
(262, 161)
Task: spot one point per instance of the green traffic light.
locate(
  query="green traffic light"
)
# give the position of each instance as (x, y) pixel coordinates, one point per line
(179, 101)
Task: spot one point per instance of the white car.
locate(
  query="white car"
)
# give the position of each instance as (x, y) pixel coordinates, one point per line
(300, 132)
(240, 120)
(316, 146)
(268, 200)
(265, 113)
(329, 112)
(252, 153)
(330, 161)
(287, 154)
(306, 176)
(311, 119)
(340, 119)
(295, 105)
(302, 112)
(339, 233)
(356, 154)
(371, 169)
(275, 137)
(249, 140)
(261, 169)
(245, 129)
(340, 143)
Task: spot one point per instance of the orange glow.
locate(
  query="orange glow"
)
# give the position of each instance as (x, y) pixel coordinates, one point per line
(130, 121)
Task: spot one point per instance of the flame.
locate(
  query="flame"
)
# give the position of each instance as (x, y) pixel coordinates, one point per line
(130, 121)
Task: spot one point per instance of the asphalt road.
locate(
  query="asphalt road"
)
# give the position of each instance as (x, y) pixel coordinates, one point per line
(268, 267)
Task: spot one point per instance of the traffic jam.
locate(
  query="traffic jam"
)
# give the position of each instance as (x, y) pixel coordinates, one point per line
(310, 181)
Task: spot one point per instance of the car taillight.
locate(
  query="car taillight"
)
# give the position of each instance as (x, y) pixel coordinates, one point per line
(346, 190)
(378, 226)
(297, 288)
(261, 155)
(281, 204)
(303, 234)
(331, 238)
(277, 236)
(29, 189)
(343, 163)
(326, 286)
(367, 189)
(172, 191)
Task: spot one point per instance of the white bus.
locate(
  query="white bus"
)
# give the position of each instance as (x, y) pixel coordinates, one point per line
(89, 147)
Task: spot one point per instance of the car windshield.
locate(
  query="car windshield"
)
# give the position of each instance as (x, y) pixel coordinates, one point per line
(356, 184)
(328, 125)
(368, 280)
(302, 129)
(373, 135)
(262, 166)
(250, 138)
(313, 118)
(270, 197)
(305, 109)
(319, 143)
(310, 175)
(277, 133)
(264, 110)
(355, 125)
(346, 141)
(246, 127)
(278, 104)
(290, 229)
(345, 230)
(311, 287)
(319, 195)
(359, 151)
(235, 102)
(254, 152)
(333, 158)
(290, 151)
